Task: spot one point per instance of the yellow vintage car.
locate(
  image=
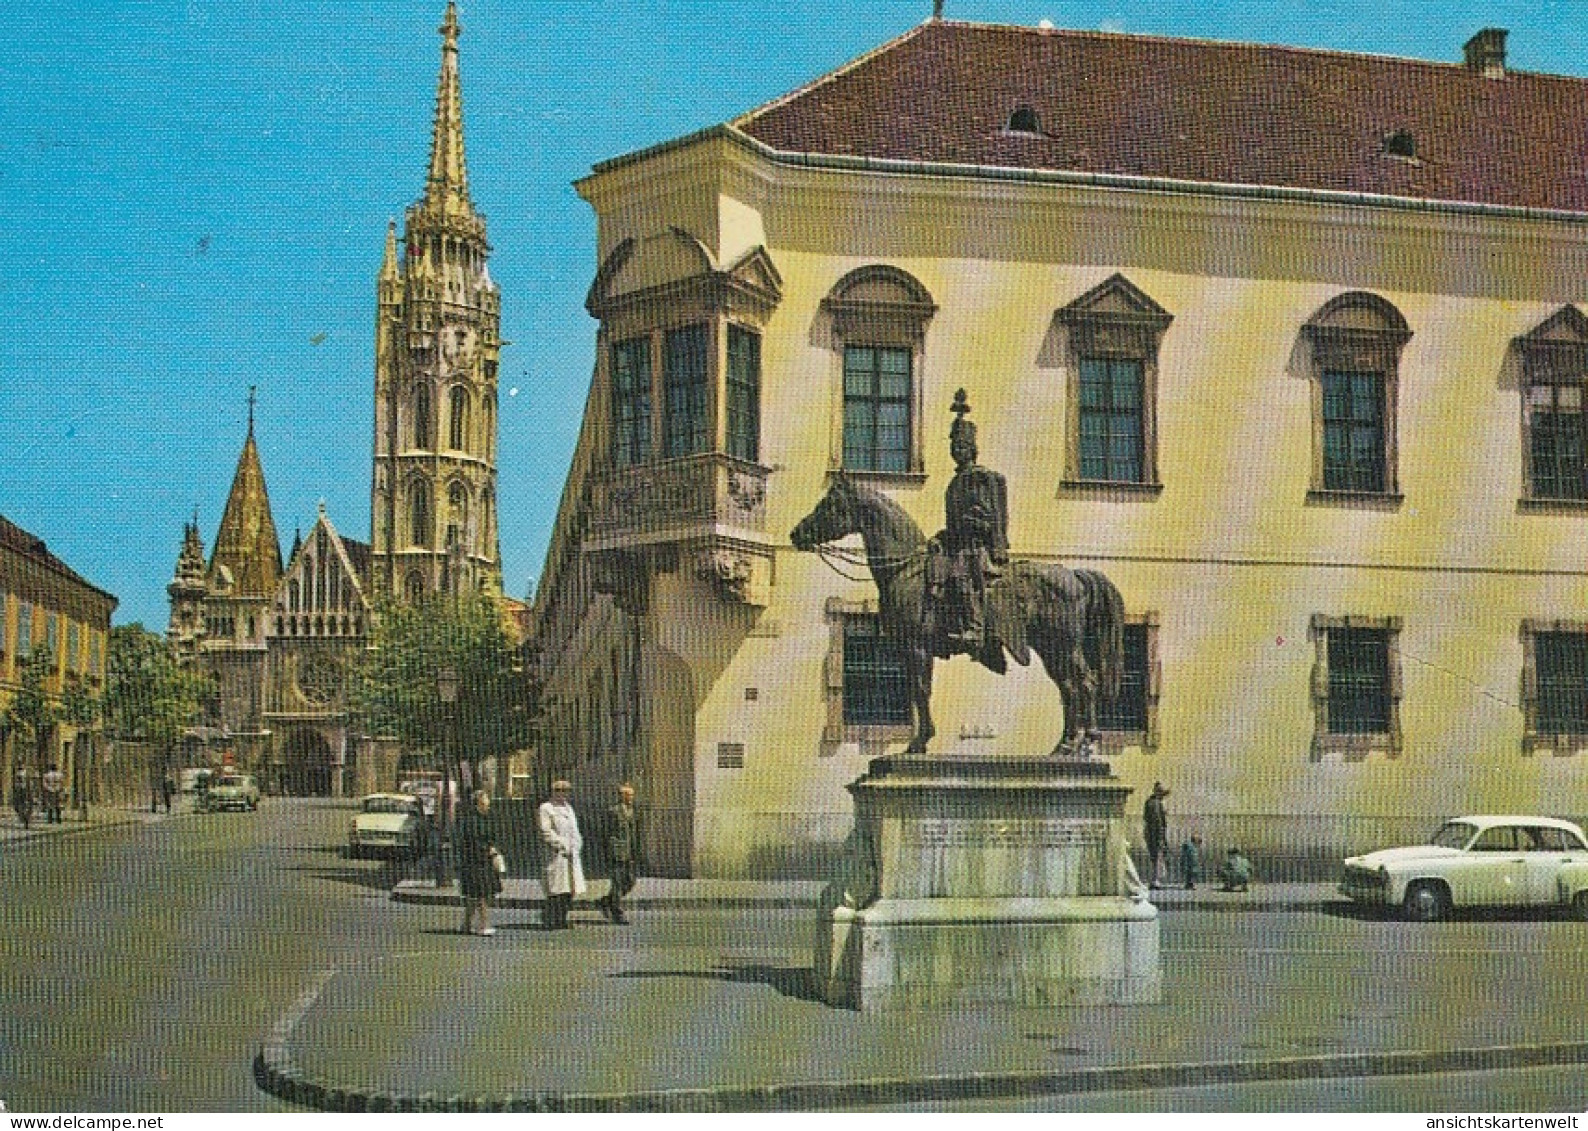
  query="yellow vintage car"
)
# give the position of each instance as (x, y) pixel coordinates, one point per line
(1479, 861)
(230, 791)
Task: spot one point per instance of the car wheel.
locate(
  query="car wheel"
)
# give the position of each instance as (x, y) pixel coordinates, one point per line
(1579, 906)
(1425, 902)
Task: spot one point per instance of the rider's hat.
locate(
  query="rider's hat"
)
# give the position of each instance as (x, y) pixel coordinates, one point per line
(961, 428)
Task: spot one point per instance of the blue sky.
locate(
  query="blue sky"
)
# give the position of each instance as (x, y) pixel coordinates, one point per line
(196, 193)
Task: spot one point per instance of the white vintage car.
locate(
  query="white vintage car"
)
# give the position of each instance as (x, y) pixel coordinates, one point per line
(1477, 862)
(388, 824)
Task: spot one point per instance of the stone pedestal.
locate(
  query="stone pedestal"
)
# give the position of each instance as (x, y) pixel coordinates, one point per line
(983, 879)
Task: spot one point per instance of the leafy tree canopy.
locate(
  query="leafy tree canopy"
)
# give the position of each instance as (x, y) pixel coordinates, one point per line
(31, 711)
(148, 695)
(395, 692)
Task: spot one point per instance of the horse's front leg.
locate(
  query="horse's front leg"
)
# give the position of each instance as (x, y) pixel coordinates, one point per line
(918, 672)
(1082, 731)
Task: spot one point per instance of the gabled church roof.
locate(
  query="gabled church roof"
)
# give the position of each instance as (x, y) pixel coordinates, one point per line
(246, 546)
(990, 98)
(325, 550)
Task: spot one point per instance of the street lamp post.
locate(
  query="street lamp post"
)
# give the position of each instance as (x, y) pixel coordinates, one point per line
(447, 692)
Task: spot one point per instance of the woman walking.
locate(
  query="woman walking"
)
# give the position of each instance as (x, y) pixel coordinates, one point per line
(479, 873)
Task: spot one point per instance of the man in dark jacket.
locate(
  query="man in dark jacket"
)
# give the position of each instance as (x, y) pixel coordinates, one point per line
(623, 851)
(1155, 823)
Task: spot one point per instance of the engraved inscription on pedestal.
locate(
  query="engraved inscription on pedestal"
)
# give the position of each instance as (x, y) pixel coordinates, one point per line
(938, 856)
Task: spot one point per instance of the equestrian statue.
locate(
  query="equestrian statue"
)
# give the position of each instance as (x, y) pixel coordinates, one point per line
(960, 593)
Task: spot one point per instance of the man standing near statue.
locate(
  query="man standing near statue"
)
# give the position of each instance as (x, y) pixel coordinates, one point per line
(1155, 823)
(623, 851)
(971, 551)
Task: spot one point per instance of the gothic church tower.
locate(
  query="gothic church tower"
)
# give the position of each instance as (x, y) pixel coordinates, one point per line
(437, 339)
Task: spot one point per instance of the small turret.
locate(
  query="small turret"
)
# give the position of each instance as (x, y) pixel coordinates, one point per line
(185, 632)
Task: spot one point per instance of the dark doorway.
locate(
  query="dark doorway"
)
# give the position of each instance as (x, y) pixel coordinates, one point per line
(308, 768)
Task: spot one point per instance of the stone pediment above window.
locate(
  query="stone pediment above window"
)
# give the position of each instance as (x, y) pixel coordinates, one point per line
(1557, 348)
(881, 299)
(674, 269)
(1115, 317)
(1357, 331)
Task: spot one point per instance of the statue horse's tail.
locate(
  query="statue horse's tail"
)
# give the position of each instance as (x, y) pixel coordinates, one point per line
(1103, 636)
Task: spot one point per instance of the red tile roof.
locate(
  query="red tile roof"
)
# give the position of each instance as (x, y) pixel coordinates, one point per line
(1196, 111)
(14, 538)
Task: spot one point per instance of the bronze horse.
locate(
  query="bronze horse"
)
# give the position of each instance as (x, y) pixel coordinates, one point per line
(1073, 619)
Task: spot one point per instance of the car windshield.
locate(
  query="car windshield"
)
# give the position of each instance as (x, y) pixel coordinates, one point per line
(387, 805)
(1453, 834)
(224, 782)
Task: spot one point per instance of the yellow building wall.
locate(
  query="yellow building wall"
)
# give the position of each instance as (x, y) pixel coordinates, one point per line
(1231, 555)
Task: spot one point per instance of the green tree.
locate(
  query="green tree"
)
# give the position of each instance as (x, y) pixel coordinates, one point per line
(31, 712)
(148, 695)
(394, 690)
(80, 706)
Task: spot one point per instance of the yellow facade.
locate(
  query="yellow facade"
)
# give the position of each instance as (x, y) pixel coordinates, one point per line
(1237, 559)
(47, 609)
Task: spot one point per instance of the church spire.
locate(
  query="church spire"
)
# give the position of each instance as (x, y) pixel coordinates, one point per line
(246, 546)
(388, 264)
(447, 187)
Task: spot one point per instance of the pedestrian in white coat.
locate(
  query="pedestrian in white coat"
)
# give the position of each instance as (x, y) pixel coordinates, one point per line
(564, 876)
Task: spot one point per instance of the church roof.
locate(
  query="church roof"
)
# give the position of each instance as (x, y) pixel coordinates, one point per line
(246, 546)
(358, 555)
(994, 98)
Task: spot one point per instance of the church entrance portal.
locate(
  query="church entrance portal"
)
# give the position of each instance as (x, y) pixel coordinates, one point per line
(308, 765)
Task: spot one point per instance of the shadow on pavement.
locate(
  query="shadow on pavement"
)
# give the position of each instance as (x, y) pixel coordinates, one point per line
(381, 878)
(790, 981)
(1367, 914)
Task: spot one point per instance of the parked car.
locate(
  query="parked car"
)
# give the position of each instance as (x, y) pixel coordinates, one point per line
(423, 784)
(231, 791)
(389, 824)
(1484, 861)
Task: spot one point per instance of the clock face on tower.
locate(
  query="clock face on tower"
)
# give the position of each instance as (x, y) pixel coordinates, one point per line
(457, 345)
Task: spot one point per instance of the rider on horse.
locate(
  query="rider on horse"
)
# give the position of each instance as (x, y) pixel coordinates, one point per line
(970, 553)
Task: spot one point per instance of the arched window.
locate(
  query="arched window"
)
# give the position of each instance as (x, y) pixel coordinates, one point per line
(1356, 342)
(488, 441)
(458, 408)
(422, 431)
(419, 526)
(1113, 331)
(1555, 409)
(879, 317)
(458, 505)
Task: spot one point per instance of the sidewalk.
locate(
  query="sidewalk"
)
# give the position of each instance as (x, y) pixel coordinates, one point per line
(526, 894)
(520, 894)
(99, 817)
(708, 1006)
